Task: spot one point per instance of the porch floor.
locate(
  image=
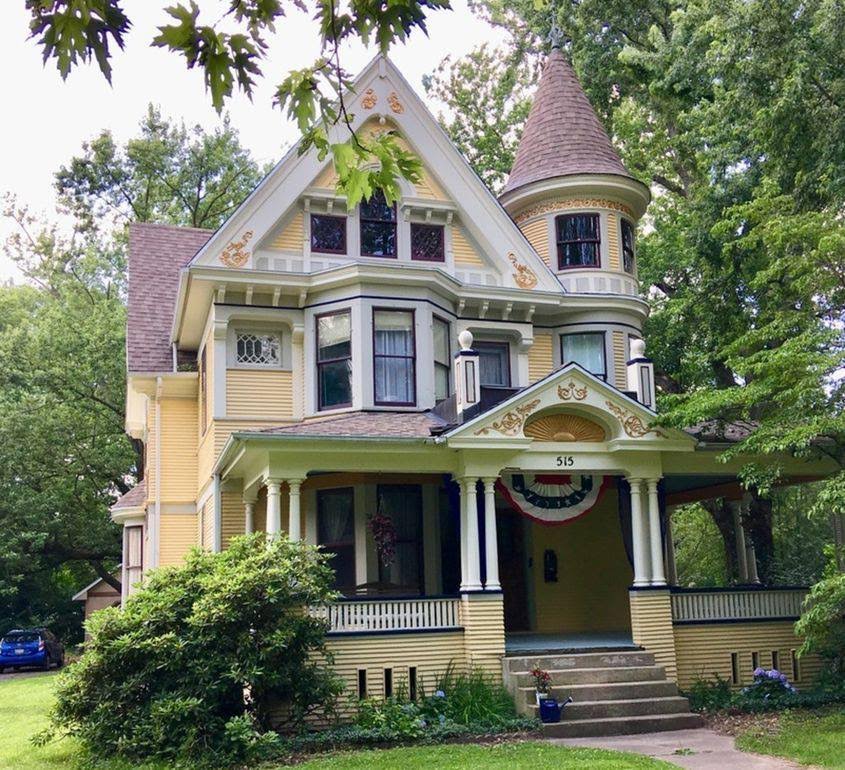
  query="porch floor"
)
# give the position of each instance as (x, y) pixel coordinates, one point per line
(520, 642)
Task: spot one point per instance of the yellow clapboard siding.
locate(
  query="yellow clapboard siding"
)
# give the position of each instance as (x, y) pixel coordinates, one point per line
(290, 237)
(178, 449)
(704, 650)
(463, 251)
(540, 357)
(264, 393)
(427, 187)
(613, 239)
(327, 177)
(620, 368)
(207, 525)
(484, 633)
(537, 233)
(151, 451)
(232, 517)
(651, 627)
(178, 536)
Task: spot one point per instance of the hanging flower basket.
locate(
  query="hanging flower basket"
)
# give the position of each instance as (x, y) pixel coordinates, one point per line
(384, 535)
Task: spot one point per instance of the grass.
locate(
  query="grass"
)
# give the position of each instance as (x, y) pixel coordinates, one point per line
(809, 737)
(25, 702)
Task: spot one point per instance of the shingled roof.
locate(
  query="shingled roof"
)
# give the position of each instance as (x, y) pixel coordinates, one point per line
(563, 135)
(133, 498)
(366, 425)
(156, 255)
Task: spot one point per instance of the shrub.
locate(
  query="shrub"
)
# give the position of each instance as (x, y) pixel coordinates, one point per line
(191, 668)
(768, 685)
(822, 623)
(470, 698)
(710, 694)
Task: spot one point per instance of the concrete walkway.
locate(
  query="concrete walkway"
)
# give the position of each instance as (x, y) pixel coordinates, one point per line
(700, 749)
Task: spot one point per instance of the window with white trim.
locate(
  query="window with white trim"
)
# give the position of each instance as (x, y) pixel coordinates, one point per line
(586, 349)
(133, 557)
(258, 349)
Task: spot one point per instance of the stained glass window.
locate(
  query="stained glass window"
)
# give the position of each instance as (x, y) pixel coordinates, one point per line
(328, 234)
(427, 242)
(378, 227)
(259, 349)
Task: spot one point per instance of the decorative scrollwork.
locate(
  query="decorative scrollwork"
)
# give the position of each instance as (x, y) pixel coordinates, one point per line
(236, 253)
(573, 203)
(395, 104)
(369, 99)
(572, 391)
(524, 276)
(511, 422)
(631, 424)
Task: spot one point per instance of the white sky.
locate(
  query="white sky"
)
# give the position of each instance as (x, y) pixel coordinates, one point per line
(47, 119)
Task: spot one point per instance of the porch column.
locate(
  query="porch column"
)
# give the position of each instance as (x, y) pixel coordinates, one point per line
(671, 567)
(658, 577)
(294, 517)
(491, 547)
(638, 534)
(750, 553)
(274, 508)
(470, 567)
(249, 516)
(739, 536)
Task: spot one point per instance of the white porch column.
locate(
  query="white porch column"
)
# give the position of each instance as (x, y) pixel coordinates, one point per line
(658, 577)
(671, 567)
(249, 516)
(491, 547)
(638, 534)
(471, 577)
(739, 535)
(294, 516)
(274, 508)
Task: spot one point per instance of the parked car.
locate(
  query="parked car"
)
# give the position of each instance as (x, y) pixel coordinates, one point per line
(31, 647)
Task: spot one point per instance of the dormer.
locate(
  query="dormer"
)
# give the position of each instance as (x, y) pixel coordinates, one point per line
(569, 192)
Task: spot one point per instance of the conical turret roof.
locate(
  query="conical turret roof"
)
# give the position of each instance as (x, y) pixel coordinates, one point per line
(563, 135)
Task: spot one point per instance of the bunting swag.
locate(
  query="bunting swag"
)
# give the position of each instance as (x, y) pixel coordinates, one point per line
(551, 498)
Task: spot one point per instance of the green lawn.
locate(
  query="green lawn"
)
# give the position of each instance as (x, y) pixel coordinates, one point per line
(809, 737)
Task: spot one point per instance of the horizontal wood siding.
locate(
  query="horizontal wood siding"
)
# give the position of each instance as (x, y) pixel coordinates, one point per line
(651, 627)
(537, 233)
(620, 361)
(259, 393)
(232, 517)
(463, 251)
(178, 536)
(290, 237)
(178, 449)
(483, 620)
(703, 651)
(613, 240)
(540, 357)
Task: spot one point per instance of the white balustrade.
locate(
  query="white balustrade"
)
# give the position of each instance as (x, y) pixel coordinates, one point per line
(345, 617)
(703, 606)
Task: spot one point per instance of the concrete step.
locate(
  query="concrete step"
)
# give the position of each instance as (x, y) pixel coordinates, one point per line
(598, 675)
(588, 728)
(609, 659)
(604, 692)
(591, 710)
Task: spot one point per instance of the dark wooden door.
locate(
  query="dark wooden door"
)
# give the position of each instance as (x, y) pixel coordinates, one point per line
(511, 539)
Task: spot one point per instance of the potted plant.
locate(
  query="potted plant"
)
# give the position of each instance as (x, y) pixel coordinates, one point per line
(542, 683)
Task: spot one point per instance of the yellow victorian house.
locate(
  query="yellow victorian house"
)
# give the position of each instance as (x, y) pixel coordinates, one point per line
(469, 372)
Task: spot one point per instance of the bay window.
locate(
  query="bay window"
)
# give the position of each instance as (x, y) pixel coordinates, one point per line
(378, 226)
(336, 532)
(442, 359)
(585, 349)
(394, 366)
(133, 557)
(494, 364)
(578, 240)
(334, 360)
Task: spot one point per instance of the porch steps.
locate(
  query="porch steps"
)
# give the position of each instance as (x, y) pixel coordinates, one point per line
(614, 692)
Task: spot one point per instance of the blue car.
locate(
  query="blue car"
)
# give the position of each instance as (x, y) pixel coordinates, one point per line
(31, 647)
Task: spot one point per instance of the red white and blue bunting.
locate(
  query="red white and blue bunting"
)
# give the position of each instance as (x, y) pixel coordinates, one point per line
(551, 498)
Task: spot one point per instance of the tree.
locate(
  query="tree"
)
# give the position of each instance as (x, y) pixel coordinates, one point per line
(193, 667)
(230, 52)
(731, 111)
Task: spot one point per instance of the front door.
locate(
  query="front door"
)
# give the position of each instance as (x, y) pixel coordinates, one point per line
(511, 539)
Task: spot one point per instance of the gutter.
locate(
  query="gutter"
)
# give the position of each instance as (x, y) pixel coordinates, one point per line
(154, 556)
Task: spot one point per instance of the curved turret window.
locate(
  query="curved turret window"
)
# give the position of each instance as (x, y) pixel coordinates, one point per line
(578, 240)
(627, 246)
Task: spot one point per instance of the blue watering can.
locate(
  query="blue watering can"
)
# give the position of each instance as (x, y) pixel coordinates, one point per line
(550, 709)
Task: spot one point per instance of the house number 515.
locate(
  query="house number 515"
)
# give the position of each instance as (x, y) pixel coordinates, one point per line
(565, 461)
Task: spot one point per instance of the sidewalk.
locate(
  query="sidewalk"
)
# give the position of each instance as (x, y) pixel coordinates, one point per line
(701, 749)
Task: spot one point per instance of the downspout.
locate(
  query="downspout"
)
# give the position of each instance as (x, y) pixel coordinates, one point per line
(157, 517)
(218, 515)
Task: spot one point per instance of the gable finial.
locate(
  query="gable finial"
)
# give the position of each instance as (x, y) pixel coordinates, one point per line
(556, 37)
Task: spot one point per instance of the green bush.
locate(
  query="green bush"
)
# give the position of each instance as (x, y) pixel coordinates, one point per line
(193, 666)
(710, 694)
(822, 624)
(469, 698)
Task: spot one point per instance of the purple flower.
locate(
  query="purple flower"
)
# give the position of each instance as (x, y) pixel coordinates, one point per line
(774, 674)
(783, 678)
(759, 671)
(439, 694)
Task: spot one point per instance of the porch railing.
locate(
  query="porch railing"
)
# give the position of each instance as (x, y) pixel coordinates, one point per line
(694, 605)
(349, 616)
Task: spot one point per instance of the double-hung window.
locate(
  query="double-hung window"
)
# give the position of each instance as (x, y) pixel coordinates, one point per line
(378, 227)
(494, 364)
(394, 357)
(578, 240)
(442, 358)
(336, 532)
(133, 556)
(334, 360)
(627, 246)
(328, 234)
(586, 349)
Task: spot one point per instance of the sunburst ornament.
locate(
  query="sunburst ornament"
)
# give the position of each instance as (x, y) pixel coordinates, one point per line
(564, 427)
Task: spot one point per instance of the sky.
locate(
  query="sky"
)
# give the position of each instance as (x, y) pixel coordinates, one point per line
(48, 119)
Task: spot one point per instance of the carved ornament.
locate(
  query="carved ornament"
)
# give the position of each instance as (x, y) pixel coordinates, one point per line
(395, 104)
(369, 99)
(511, 422)
(572, 203)
(631, 424)
(572, 391)
(236, 253)
(524, 276)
